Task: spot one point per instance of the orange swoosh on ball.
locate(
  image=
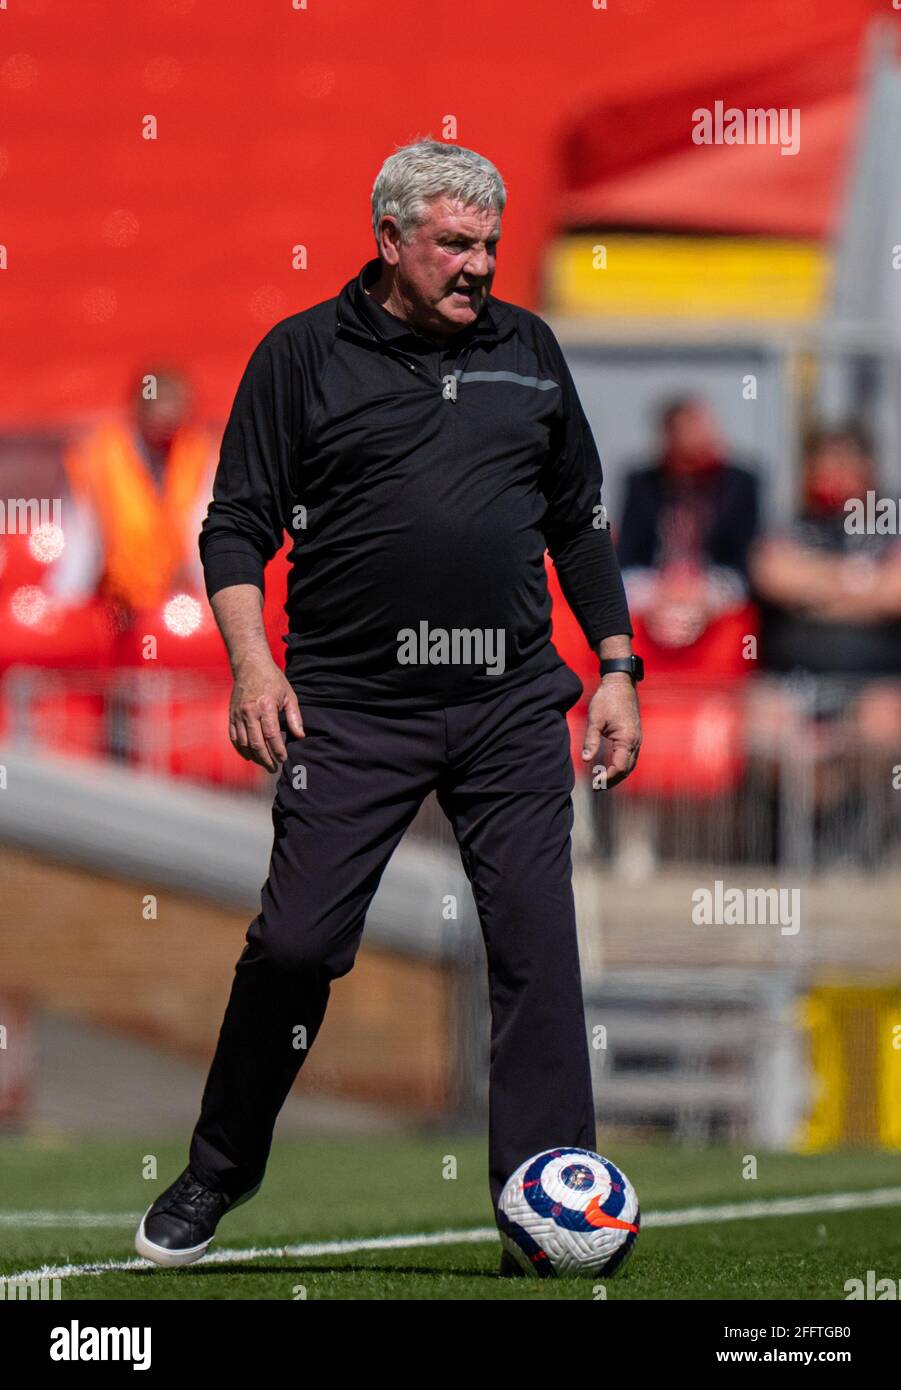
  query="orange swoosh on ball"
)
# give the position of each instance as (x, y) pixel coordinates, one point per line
(596, 1217)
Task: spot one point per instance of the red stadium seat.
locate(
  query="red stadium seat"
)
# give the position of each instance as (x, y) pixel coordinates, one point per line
(691, 705)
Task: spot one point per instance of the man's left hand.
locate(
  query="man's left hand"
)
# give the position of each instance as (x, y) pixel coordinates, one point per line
(613, 714)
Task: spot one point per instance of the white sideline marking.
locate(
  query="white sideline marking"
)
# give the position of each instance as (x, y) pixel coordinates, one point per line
(777, 1206)
(687, 1216)
(26, 1220)
(478, 1235)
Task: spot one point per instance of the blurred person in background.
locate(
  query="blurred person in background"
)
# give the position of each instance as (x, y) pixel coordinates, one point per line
(689, 518)
(831, 598)
(139, 489)
(830, 602)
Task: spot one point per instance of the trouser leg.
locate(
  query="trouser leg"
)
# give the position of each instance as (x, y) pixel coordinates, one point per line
(508, 797)
(344, 798)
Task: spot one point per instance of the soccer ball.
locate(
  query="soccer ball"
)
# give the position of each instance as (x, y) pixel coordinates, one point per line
(569, 1212)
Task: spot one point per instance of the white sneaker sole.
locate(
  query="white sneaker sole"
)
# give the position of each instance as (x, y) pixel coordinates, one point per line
(161, 1255)
(173, 1259)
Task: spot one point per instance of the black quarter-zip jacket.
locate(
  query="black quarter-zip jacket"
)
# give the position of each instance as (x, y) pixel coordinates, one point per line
(422, 485)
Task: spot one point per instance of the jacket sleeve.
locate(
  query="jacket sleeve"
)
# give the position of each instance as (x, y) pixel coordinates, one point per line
(574, 528)
(253, 487)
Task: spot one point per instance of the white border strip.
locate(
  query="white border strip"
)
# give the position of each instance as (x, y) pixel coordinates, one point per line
(688, 1216)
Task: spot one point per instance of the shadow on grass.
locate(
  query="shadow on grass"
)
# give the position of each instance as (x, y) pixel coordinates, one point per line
(209, 1271)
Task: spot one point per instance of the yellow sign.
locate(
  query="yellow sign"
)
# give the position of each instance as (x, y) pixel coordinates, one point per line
(855, 1053)
(688, 277)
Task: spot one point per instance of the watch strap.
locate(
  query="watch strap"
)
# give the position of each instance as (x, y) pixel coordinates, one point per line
(632, 665)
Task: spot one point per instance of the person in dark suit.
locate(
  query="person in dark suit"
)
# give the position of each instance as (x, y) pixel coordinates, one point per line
(688, 524)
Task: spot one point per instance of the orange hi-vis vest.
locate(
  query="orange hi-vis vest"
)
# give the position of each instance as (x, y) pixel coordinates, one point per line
(144, 529)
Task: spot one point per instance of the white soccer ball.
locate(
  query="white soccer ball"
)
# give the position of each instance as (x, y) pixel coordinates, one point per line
(569, 1212)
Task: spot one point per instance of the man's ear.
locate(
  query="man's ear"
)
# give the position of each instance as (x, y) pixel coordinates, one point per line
(389, 240)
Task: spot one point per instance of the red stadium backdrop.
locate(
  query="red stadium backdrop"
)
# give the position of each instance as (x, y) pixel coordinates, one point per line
(272, 122)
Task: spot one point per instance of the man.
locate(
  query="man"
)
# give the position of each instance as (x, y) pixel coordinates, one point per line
(830, 598)
(427, 444)
(831, 591)
(688, 522)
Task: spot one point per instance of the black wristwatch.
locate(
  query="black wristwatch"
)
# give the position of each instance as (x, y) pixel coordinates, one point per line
(632, 665)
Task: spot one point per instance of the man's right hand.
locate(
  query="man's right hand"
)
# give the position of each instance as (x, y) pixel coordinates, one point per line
(261, 691)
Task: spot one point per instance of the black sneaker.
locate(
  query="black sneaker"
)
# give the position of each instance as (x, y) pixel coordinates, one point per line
(178, 1227)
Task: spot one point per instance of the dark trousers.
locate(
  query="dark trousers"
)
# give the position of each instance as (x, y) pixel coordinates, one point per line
(503, 775)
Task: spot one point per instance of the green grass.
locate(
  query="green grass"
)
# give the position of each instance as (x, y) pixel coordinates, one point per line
(356, 1188)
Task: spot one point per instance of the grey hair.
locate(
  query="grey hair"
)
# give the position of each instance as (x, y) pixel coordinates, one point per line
(415, 174)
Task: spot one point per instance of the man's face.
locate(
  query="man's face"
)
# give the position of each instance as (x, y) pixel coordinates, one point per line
(693, 432)
(445, 272)
(837, 470)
